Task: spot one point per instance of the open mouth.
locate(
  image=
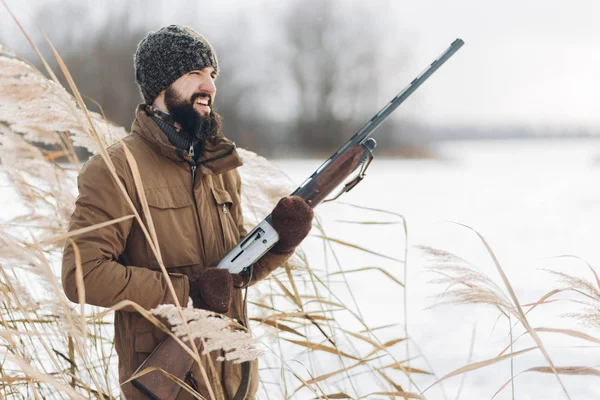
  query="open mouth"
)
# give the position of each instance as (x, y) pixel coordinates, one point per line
(203, 102)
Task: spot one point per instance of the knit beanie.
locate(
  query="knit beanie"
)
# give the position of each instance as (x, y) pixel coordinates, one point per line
(167, 54)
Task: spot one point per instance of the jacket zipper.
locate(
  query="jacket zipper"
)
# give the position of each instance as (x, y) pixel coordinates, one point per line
(191, 150)
(193, 169)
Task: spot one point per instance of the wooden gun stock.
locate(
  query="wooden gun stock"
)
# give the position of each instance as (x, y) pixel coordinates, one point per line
(170, 357)
(332, 175)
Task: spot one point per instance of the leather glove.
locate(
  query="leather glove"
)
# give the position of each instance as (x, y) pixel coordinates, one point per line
(212, 289)
(292, 219)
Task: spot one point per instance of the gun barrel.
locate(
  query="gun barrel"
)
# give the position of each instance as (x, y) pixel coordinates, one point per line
(407, 91)
(363, 134)
(381, 116)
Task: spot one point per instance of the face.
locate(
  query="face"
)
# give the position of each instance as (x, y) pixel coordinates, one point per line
(190, 100)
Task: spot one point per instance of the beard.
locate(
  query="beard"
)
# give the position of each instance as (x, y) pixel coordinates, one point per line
(191, 122)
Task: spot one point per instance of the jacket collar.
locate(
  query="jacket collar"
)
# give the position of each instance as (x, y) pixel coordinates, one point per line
(218, 155)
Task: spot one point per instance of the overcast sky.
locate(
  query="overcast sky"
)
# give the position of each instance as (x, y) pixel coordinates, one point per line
(524, 62)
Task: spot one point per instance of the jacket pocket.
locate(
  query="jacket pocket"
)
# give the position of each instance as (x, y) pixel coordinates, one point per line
(229, 227)
(176, 224)
(144, 342)
(146, 335)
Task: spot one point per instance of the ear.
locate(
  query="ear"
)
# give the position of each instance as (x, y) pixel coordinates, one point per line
(159, 101)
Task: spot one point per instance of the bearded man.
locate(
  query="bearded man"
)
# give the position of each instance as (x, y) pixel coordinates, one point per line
(193, 190)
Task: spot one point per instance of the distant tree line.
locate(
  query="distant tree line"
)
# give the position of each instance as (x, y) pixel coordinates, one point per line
(295, 79)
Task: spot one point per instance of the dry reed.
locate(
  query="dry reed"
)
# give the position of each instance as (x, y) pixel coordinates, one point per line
(46, 188)
(317, 339)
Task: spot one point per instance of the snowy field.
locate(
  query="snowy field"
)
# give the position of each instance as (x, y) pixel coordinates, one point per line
(531, 200)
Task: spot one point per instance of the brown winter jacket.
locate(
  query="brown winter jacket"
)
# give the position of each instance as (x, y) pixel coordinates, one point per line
(195, 229)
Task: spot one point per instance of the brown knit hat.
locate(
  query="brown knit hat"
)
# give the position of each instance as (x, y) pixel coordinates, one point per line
(167, 54)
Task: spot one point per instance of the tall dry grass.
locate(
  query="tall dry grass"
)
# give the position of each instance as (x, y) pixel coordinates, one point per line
(464, 284)
(57, 349)
(316, 340)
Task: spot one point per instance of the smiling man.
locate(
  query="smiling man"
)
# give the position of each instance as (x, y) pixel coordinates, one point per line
(188, 170)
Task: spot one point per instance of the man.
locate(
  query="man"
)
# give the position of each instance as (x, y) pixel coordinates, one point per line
(188, 170)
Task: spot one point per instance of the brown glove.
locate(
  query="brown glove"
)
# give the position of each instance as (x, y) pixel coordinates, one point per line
(212, 289)
(292, 219)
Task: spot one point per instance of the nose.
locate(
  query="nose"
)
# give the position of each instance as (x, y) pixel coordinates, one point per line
(208, 85)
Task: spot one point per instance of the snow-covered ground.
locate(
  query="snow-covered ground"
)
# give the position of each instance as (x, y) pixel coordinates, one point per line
(531, 200)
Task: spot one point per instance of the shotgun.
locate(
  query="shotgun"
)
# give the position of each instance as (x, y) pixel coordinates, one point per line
(354, 156)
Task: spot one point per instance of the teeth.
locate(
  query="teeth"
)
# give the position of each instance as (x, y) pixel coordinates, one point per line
(203, 102)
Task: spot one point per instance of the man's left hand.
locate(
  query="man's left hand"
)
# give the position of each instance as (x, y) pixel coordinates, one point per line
(292, 219)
